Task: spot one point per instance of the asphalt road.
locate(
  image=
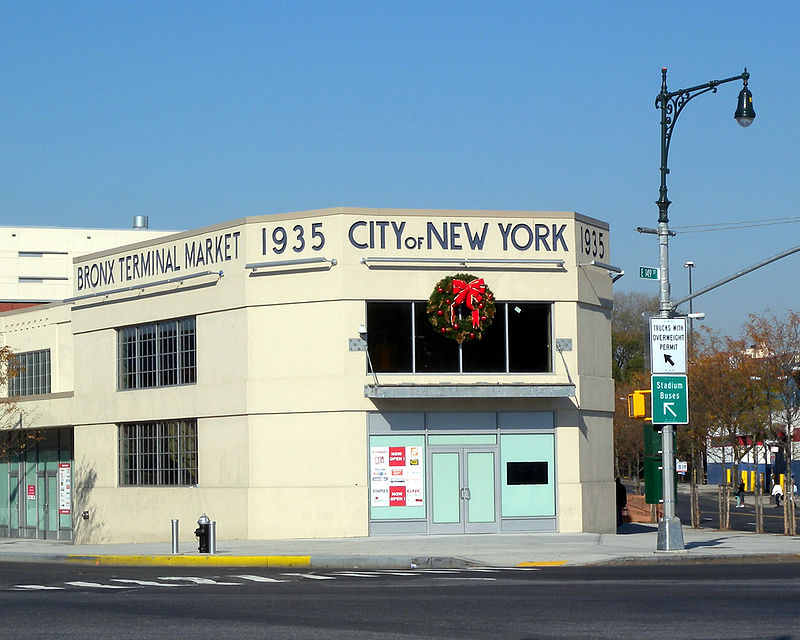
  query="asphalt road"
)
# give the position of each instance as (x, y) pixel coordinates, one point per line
(684, 601)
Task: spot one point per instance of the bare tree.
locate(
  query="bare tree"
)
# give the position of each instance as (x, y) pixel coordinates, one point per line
(14, 439)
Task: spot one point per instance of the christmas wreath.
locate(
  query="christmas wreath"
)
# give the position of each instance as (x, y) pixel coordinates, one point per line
(461, 307)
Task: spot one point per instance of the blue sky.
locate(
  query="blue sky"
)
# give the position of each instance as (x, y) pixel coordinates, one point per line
(195, 113)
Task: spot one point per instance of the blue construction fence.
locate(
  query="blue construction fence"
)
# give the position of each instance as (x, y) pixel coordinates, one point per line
(717, 473)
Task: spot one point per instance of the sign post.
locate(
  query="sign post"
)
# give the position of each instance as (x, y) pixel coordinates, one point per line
(670, 396)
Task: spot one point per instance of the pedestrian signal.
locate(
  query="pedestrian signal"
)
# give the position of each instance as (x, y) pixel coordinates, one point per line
(639, 404)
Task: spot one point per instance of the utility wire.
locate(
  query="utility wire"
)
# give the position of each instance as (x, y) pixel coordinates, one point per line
(744, 224)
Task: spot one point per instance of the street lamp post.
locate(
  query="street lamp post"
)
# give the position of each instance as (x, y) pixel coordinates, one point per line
(671, 103)
(689, 264)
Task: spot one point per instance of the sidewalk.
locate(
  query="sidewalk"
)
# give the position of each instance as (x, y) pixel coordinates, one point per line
(634, 543)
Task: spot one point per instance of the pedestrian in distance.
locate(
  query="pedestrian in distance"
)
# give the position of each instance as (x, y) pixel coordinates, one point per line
(739, 493)
(622, 502)
(777, 493)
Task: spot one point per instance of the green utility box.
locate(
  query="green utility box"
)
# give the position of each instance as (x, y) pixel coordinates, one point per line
(653, 478)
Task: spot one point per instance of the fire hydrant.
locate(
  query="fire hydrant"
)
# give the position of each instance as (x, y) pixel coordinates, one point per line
(203, 534)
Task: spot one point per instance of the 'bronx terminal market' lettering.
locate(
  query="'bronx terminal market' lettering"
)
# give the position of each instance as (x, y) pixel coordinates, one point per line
(164, 260)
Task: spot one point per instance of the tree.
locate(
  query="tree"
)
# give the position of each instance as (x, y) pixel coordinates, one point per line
(729, 405)
(627, 333)
(629, 372)
(14, 439)
(776, 347)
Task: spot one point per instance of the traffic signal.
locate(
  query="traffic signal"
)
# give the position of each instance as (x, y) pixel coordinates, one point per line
(640, 405)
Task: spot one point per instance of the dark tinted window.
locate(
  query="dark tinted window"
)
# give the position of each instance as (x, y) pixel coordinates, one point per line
(529, 337)
(389, 336)
(489, 353)
(401, 340)
(433, 353)
(526, 473)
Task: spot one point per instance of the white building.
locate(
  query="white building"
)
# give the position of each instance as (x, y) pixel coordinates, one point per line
(36, 262)
(296, 376)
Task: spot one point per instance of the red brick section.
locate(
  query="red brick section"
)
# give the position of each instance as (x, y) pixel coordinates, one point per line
(10, 306)
(639, 511)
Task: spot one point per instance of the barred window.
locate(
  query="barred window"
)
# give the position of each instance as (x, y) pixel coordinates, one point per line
(158, 354)
(158, 453)
(29, 373)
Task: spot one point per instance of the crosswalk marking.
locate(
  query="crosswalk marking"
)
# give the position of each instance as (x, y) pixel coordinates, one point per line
(197, 580)
(95, 585)
(439, 570)
(34, 587)
(466, 574)
(148, 583)
(258, 578)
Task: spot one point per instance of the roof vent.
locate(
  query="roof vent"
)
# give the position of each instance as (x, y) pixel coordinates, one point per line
(141, 222)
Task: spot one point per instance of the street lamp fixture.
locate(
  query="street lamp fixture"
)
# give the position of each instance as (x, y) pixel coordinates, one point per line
(745, 114)
(671, 103)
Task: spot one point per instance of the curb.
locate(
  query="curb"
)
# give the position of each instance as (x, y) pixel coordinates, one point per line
(307, 562)
(192, 561)
(682, 557)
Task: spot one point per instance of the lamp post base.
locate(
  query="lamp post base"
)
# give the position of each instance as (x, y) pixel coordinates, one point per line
(670, 534)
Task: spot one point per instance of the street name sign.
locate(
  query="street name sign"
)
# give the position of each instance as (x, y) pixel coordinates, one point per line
(667, 345)
(648, 273)
(670, 395)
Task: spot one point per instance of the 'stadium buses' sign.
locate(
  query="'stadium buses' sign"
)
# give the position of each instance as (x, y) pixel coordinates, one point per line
(670, 397)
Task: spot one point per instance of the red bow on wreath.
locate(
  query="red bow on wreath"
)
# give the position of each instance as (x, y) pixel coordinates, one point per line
(470, 293)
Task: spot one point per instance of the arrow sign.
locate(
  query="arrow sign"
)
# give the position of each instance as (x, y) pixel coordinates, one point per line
(670, 396)
(668, 345)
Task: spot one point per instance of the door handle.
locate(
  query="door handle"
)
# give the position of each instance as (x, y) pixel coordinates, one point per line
(465, 494)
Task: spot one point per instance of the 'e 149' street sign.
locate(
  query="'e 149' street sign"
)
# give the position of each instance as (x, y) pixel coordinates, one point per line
(648, 273)
(667, 345)
(670, 396)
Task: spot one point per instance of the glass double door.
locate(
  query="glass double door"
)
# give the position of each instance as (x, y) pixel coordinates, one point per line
(47, 505)
(32, 508)
(463, 490)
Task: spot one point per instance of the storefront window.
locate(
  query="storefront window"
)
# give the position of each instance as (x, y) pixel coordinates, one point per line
(401, 340)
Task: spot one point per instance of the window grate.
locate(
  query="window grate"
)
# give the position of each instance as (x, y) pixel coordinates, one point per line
(29, 373)
(158, 453)
(159, 354)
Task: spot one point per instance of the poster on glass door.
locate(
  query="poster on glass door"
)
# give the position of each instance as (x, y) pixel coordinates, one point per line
(397, 479)
(64, 488)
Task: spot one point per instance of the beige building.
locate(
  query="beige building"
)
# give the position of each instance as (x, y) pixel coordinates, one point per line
(36, 262)
(341, 372)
